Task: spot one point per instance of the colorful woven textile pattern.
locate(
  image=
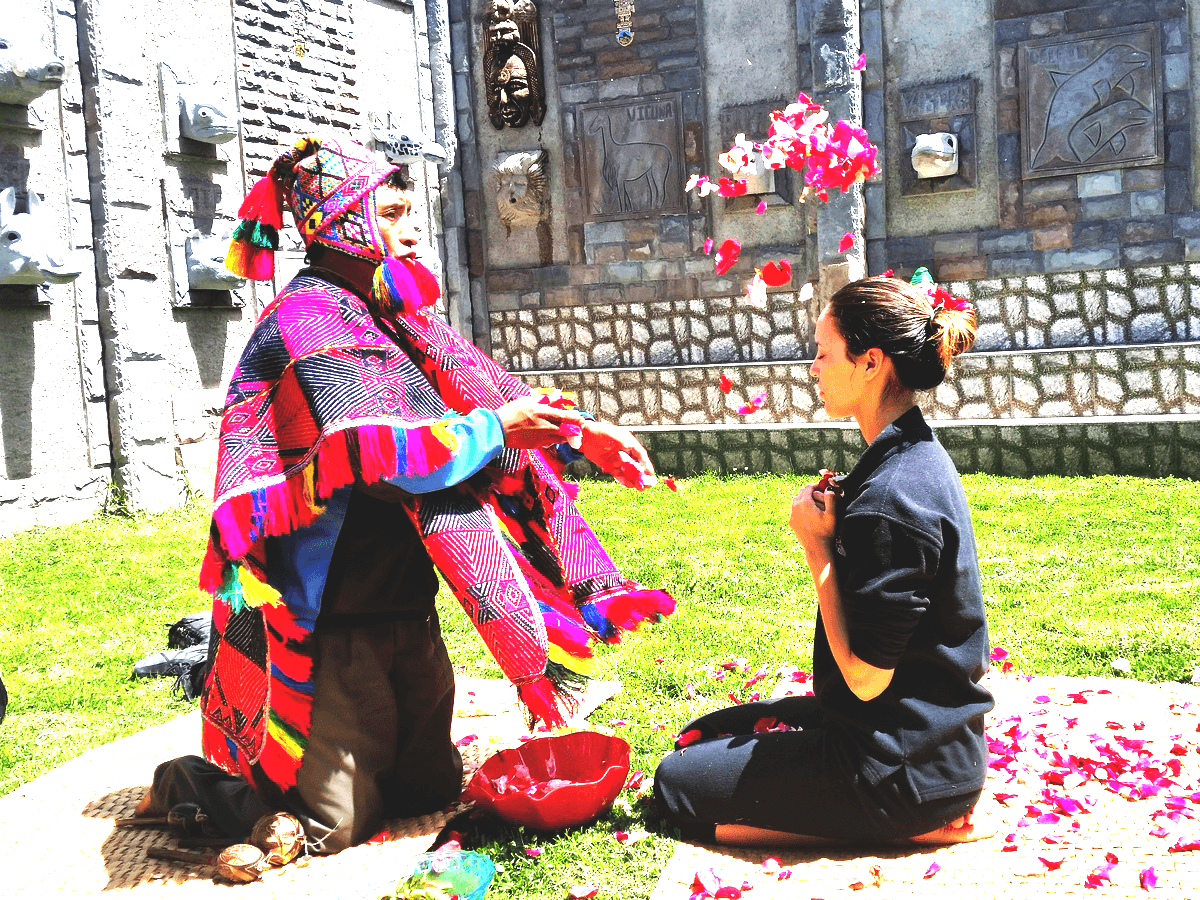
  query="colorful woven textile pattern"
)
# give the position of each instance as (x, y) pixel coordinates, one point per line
(329, 186)
(323, 396)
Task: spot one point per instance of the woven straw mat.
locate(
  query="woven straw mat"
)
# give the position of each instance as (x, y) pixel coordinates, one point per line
(60, 840)
(1066, 712)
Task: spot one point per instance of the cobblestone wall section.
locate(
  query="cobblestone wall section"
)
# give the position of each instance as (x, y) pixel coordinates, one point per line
(1120, 381)
(1138, 448)
(1108, 307)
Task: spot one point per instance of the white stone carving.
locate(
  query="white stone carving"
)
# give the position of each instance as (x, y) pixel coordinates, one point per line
(401, 140)
(935, 155)
(28, 68)
(522, 183)
(196, 111)
(205, 255)
(30, 252)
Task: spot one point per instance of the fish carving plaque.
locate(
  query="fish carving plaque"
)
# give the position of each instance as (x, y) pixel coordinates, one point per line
(1091, 101)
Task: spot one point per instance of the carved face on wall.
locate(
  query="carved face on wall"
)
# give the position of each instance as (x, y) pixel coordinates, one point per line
(521, 188)
(511, 64)
(513, 93)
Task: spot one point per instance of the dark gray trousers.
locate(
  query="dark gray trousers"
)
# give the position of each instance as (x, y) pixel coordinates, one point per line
(379, 747)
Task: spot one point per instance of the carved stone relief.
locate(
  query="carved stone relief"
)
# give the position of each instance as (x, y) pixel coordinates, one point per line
(632, 156)
(30, 252)
(512, 64)
(28, 68)
(928, 110)
(1091, 101)
(196, 116)
(522, 185)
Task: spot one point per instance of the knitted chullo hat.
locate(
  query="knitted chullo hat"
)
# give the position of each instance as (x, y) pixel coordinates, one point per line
(329, 186)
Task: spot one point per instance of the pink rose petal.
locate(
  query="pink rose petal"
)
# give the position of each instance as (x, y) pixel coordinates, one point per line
(846, 243)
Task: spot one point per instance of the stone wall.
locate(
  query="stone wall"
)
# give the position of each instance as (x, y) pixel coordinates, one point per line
(122, 373)
(1108, 446)
(1098, 186)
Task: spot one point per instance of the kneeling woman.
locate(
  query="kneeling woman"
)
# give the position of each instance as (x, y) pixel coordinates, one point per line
(891, 747)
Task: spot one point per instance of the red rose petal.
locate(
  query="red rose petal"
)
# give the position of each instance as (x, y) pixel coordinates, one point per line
(727, 255)
(846, 243)
(860, 63)
(725, 385)
(688, 738)
(777, 274)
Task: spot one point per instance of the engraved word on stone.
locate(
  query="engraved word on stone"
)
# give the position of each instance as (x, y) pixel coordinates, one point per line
(30, 252)
(512, 64)
(205, 255)
(27, 68)
(522, 184)
(935, 155)
(1091, 101)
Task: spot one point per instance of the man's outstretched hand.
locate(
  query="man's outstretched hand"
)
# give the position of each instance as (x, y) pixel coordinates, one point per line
(530, 424)
(617, 452)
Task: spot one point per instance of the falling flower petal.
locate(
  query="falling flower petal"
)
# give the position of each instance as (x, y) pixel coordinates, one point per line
(465, 741)
(847, 243)
(755, 404)
(688, 738)
(888, 273)
(777, 274)
(1052, 864)
(761, 208)
(725, 384)
(727, 255)
(583, 891)
(708, 245)
(860, 63)
(727, 187)
(770, 865)
(533, 852)
(756, 292)
(1148, 878)
(933, 869)
(672, 486)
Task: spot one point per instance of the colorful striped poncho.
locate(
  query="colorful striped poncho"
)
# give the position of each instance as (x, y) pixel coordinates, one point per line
(326, 395)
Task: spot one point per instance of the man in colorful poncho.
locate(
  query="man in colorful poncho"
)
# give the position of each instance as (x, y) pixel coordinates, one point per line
(363, 444)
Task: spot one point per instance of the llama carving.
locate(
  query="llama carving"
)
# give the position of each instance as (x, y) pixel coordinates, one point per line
(625, 164)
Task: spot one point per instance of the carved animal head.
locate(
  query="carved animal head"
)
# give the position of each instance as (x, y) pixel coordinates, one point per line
(521, 187)
(205, 115)
(30, 252)
(205, 254)
(402, 143)
(27, 68)
(935, 155)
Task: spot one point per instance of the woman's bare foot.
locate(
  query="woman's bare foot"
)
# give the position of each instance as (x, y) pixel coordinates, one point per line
(973, 826)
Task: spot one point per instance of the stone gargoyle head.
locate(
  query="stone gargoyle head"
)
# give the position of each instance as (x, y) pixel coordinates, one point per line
(403, 142)
(935, 155)
(30, 251)
(205, 254)
(28, 68)
(206, 115)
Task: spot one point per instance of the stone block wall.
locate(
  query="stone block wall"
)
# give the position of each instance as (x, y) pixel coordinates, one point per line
(1157, 448)
(54, 439)
(1079, 217)
(605, 276)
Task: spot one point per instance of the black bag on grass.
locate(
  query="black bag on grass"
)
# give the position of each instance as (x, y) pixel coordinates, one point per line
(187, 656)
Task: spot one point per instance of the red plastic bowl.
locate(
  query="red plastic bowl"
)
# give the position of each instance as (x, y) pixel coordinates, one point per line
(572, 778)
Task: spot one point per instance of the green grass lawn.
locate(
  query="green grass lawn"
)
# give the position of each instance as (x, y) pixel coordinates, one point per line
(1076, 572)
